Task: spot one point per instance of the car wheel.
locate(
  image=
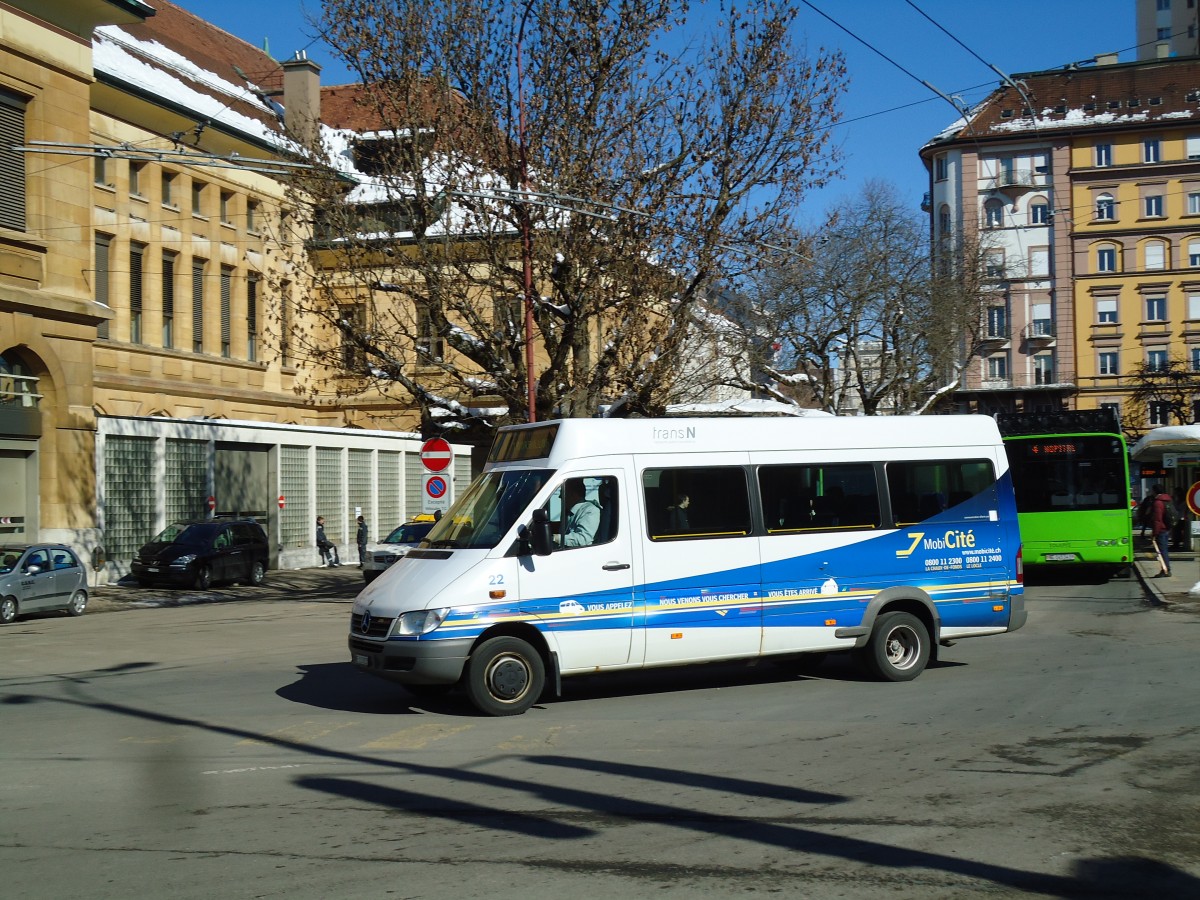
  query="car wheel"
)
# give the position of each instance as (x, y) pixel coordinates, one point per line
(258, 574)
(203, 580)
(505, 676)
(78, 603)
(8, 609)
(898, 649)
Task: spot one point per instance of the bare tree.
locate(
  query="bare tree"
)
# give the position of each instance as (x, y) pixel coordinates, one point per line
(857, 316)
(1172, 387)
(641, 152)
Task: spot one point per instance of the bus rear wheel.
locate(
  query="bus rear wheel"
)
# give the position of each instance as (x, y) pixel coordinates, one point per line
(505, 676)
(898, 649)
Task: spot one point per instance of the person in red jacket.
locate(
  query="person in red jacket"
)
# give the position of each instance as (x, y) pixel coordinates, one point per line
(1162, 517)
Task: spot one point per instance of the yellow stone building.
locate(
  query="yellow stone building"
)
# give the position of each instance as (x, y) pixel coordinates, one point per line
(148, 300)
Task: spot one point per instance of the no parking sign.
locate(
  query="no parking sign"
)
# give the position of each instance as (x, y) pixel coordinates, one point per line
(437, 494)
(1193, 498)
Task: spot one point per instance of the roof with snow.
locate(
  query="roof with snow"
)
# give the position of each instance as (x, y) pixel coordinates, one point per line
(1105, 96)
(178, 60)
(1167, 439)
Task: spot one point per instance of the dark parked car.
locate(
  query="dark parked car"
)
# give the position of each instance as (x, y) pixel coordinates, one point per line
(40, 577)
(201, 553)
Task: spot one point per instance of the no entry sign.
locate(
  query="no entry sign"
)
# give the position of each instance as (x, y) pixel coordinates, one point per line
(436, 455)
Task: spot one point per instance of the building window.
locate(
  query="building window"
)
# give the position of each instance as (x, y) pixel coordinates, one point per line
(168, 189)
(1106, 311)
(1043, 369)
(1106, 259)
(1164, 34)
(197, 306)
(1194, 253)
(1193, 306)
(197, 198)
(1106, 208)
(994, 264)
(129, 495)
(226, 309)
(1039, 214)
(993, 214)
(136, 252)
(226, 208)
(1193, 147)
(1156, 255)
(252, 318)
(1156, 309)
(285, 324)
(1160, 412)
(1108, 362)
(997, 322)
(136, 171)
(103, 246)
(353, 320)
(944, 220)
(251, 216)
(428, 344)
(1151, 150)
(1041, 325)
(1162, 5)
(1156, 360)
(1039, 262)
(940, 168)
(1194, 358)
(100, 169)
(1152, 206)
(168, 300)
(997, 367)
(1103, 156)
(12, 161)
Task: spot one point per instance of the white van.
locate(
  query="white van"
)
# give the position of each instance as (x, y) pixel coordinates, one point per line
(710, 539)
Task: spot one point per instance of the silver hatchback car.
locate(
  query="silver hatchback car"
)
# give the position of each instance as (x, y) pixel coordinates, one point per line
(39, 578)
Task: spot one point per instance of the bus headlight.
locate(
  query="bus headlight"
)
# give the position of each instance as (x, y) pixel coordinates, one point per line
(422, 621)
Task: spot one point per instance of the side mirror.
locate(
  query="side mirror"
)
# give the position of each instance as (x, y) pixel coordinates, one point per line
(539, 533)
(33, 570)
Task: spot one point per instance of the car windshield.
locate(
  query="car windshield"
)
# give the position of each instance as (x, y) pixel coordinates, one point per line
(411, 533)
(199, 535)
(488, 509)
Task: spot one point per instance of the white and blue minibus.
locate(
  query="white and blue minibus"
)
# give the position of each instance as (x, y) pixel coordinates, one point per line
(710, 539)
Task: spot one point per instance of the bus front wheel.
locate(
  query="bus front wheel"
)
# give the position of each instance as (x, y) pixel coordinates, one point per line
(898, 649)
(505, 676)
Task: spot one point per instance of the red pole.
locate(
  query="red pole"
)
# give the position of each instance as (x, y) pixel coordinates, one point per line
(526, 235)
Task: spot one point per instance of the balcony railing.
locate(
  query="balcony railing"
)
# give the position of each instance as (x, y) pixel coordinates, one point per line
(1016, 178)
(1039, 332)
(19, 390)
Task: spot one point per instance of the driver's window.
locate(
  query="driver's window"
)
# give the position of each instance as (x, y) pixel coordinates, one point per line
(38, 558)
(582, 512)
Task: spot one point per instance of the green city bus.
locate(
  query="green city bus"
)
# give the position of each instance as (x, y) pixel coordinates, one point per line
(1070, 472)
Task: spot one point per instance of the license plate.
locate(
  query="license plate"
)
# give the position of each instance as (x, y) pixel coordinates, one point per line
(359, 659)
(151, 568)
(1060, 557)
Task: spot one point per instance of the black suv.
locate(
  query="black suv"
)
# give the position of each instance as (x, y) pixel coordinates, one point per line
(200, 553)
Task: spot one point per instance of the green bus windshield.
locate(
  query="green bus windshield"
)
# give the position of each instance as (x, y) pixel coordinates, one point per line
(1068, 473)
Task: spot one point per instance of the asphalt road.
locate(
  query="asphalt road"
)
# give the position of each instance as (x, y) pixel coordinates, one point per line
(228, 750)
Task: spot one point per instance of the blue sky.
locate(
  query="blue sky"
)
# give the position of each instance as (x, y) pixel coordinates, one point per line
(888, 113)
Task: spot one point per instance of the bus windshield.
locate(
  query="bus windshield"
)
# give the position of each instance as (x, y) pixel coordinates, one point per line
(1068, 472)
(489, 508)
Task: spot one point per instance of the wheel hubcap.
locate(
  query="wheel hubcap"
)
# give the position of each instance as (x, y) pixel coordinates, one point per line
(901, 648)
(508, 677)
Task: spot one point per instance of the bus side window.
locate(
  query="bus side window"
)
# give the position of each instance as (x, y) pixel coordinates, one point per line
(922, 489)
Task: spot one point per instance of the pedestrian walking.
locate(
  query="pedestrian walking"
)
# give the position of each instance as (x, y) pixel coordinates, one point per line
(360, 538)
(327, 548)
(1162, 520)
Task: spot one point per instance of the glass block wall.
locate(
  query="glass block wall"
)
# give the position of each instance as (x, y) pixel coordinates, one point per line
(329, 493)
(129, 506)
(414, 486)
(358, 478)
(296, 521)
(391, 512)
(186, 476)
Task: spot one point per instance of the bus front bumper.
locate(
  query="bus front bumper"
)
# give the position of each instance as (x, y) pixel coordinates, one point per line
(412, 662)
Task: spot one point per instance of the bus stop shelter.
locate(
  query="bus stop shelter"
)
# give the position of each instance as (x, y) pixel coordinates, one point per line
(1176, 450)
